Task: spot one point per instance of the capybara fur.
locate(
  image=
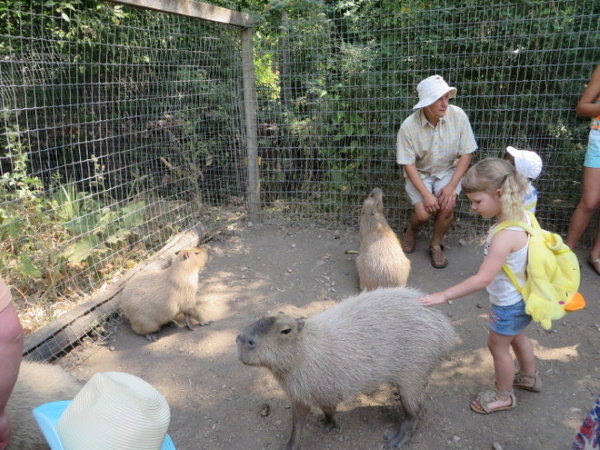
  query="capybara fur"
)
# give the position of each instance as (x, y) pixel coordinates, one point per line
(152, 299)
(380, 261)
(378, 337)
(38, 383)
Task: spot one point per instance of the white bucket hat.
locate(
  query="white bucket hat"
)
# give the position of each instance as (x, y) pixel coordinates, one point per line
(431, 89)
(527, 163)
(114, 410)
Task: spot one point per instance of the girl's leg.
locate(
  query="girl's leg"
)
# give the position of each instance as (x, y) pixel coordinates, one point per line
(504, 368)
(523, 349)
(11, 350)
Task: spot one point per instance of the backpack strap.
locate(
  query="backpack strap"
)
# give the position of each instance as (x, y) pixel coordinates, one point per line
(516, 223)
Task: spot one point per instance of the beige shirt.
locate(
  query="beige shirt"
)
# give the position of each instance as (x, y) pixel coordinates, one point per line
(435, 150)
(5, 296)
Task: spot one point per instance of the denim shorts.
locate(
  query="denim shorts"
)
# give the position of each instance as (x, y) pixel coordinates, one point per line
(592, 155)
(509, 320)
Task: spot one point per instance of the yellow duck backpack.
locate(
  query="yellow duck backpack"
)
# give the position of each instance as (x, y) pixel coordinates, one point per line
(552, 285)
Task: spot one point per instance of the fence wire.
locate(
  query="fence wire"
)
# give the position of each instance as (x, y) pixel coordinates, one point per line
(122, 127)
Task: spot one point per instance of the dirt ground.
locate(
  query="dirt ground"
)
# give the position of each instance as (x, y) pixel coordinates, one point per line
(218, 403)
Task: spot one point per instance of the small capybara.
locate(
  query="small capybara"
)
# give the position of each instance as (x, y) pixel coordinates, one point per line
(377, 337)
(152, 299)
(38, 383)
(380, 261)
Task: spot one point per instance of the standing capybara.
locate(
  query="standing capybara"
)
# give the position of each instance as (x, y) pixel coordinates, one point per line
(153, 299)
(381, 261)
(379, 337)
(38, 383)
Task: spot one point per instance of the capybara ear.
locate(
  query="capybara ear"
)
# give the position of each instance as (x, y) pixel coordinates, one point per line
(300, 323)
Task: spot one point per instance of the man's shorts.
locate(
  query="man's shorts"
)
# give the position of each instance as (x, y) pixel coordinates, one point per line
(509, 320)
(592, 155)
(433, 184)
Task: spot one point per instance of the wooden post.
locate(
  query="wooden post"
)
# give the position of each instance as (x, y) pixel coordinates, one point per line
(250, 113)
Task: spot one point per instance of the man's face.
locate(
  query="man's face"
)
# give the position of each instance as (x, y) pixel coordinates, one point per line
(440, 106)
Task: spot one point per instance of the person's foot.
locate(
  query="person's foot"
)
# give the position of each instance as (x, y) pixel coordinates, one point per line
(438, 259)
(409, 241)
(527, 382)
(493, 400)
(594, 264)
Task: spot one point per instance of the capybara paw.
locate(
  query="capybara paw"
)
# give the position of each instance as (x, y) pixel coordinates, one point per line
(328, 424)
(205, 323)
(152, 337)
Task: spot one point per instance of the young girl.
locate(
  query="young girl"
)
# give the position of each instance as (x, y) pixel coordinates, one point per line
(496, 189)
(11, 349)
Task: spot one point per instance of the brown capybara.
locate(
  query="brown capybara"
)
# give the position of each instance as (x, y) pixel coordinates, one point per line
(377, 337)
(152, 299)
(38, 383)
(380, 261)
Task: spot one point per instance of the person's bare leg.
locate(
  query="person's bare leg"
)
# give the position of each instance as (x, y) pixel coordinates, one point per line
(441, 224)
(523, 350)
(417, 218)
(11, 350)
(587, 206)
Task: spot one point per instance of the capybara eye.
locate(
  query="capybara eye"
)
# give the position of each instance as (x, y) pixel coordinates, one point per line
(286, 331)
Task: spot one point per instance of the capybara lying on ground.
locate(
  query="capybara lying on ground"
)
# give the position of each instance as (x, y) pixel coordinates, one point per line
(379, 337)
(153, 299)
(38, 383)
(381, 261)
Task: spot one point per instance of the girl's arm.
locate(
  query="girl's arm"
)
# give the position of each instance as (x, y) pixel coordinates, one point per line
(502, 244)
(586, 107)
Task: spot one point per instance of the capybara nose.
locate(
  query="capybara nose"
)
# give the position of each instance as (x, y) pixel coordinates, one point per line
(249, 342)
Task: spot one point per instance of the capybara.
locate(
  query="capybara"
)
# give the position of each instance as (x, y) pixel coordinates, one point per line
(152, 299)
(380, 261)
(377, 337)
(38, 383)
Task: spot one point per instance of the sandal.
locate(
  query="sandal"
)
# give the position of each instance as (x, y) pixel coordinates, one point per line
(481, 404)
(519, 378)
(408, 242)
(593, 262)
(438, 260)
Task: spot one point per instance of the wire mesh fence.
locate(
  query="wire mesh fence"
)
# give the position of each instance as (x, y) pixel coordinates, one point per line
(120, 128)
(520, 67)
(123, 127)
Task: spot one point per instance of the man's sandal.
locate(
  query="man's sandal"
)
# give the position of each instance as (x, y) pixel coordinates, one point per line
(438, 259)
(484, 398)
(518, 382)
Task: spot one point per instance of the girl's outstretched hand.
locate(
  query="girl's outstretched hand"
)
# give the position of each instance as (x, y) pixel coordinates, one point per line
(432, 299)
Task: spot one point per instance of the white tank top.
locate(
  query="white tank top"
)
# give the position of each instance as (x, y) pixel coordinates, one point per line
(501, 290)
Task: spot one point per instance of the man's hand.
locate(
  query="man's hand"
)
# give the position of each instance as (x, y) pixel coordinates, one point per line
(431, 203)
(446, 197)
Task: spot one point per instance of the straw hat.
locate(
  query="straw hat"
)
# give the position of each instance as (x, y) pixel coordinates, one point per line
(113, 410)
(527, 163)
(431, 89)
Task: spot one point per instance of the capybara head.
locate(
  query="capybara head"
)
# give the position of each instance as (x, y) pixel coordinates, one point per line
(269, 341)
(373, 203)
(195, 257)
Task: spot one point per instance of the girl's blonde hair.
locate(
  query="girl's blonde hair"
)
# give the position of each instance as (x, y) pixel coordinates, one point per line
(491, 174)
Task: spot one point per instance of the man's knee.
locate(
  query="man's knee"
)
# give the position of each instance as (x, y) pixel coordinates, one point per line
(421, 214)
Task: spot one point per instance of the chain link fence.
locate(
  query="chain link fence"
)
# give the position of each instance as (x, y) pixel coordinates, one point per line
(122, 127)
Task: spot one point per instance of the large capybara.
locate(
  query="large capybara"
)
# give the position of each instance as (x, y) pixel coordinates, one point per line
(153, 299)
(38, 383)
(380, 261)
(378, 337)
